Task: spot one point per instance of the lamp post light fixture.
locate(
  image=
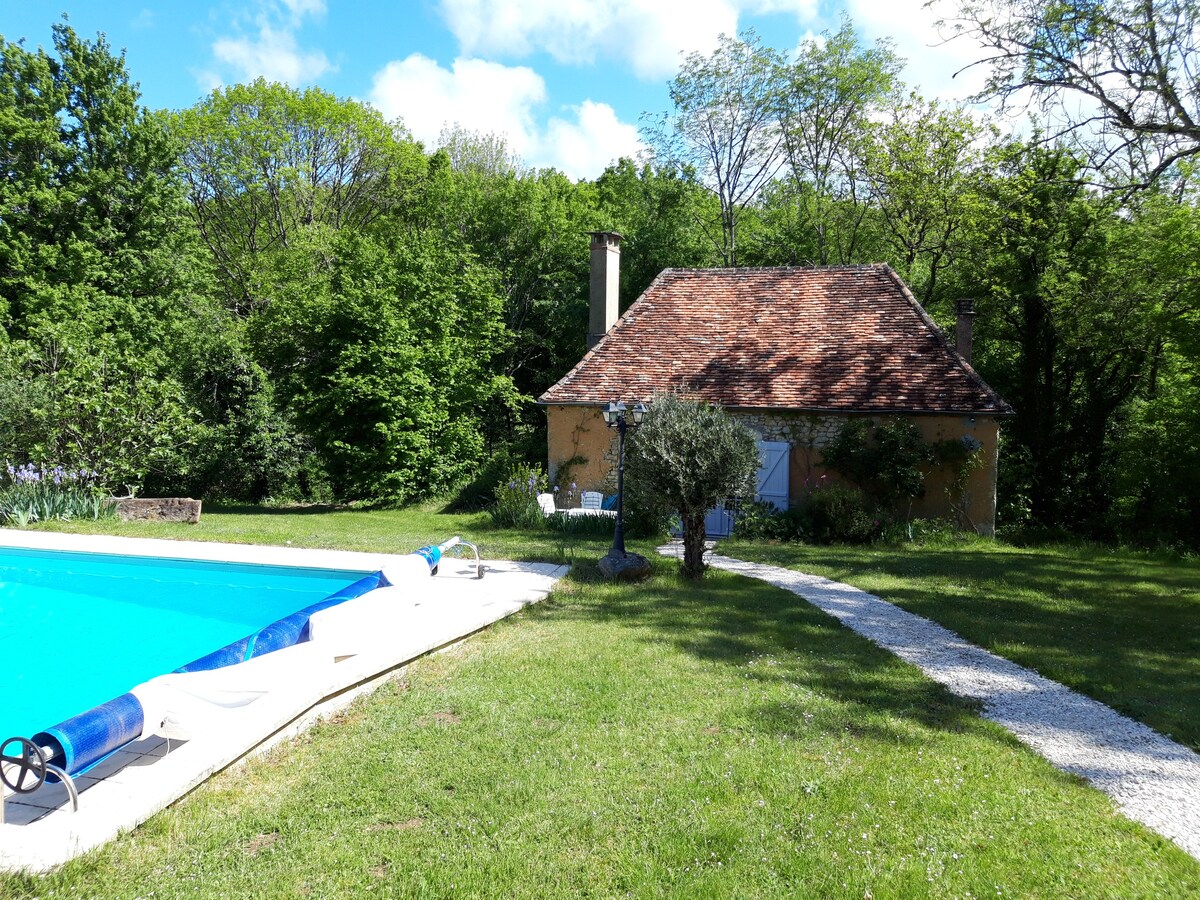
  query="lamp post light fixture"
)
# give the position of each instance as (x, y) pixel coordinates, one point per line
(617, 415)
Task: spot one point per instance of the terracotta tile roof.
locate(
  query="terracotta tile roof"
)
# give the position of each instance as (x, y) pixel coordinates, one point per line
(831, 338)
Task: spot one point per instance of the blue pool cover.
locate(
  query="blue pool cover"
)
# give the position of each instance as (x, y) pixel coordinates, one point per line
(84, 741)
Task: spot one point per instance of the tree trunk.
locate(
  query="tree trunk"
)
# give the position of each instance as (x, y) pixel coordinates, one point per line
(693, 545)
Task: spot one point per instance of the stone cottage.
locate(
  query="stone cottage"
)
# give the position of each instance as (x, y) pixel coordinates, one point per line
(795, 352)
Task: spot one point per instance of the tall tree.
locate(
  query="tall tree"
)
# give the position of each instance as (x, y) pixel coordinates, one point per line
(381, 346)
(527, 227)
(724, 128)
(483, 153)
(1068, 321)
(1155, 459)
(828, 95)
(264, 161)
(99, 282)
(922, 168)
(657, 212)
(1122, 75)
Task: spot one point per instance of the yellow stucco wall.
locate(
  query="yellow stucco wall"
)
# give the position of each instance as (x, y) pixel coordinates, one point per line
(973, 507)
(580, 432)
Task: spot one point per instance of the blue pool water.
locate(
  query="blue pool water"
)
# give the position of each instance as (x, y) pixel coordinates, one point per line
(77, 629)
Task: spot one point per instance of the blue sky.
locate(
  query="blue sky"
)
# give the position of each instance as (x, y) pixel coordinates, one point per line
(565, 80)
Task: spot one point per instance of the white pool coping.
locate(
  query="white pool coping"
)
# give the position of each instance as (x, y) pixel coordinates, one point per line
(355, 647)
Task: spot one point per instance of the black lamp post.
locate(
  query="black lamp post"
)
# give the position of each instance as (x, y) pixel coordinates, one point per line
(614, 417)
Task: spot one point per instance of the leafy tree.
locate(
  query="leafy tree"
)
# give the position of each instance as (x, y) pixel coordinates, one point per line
(688, 456)
(247, 447)
(1122, 75)
(1067, 329)
(922, 167)
(264, 161)
(97, 279)
(528, 229)
(484, 153)
(826, 99)
(656, 210)
(1155, 473)
(381, 348)
(724, 127)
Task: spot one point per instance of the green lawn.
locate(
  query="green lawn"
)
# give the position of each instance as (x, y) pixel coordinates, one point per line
(374, 531)
(655, 740)
(1120, 626)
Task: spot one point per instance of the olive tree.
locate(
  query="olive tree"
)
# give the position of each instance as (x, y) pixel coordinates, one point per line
(689, 455)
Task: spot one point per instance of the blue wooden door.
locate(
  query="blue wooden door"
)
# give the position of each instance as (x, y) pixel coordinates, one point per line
(773, 473)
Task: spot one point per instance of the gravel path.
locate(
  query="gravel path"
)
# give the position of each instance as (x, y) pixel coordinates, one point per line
(1153, 780)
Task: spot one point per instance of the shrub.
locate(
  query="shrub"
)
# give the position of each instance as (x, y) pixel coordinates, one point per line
(585, 526)
(885, 460)
(32, 493)
(516, 504)
(833, 513)
(755, 520)
(760, 520)
(841, 513)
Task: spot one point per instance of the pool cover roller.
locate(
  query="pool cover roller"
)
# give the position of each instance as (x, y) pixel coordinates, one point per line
(86, 740)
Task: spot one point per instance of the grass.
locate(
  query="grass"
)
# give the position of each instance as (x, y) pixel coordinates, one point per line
(663, 739)
(1122, 627)
(373, 531)
(654, 740)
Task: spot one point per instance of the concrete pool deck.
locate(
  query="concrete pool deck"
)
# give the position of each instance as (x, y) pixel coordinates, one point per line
(354, 648)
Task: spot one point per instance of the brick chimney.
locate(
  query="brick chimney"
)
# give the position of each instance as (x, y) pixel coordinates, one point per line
(605, 281)
(964, 327)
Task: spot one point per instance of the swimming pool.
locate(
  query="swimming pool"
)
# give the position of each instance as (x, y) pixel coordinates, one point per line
(77, 629)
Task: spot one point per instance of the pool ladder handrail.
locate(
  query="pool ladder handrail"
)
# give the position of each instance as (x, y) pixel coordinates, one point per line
(457, 541)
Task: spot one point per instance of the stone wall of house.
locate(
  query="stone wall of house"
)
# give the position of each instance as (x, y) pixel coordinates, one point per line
(579, 433)
(798, 429)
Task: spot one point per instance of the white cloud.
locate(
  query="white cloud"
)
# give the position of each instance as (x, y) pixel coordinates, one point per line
(264, 45)
(647, 34)
(272, 54)
(493, 98)
(584, 147)
(931, 61)
(483, 96)
(301, 8)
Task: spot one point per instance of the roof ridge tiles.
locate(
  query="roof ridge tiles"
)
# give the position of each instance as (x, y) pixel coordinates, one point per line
(735, 270)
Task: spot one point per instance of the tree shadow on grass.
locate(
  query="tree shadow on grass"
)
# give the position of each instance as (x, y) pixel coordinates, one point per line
(778, 640)
(253, 509)
(1122, 628)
